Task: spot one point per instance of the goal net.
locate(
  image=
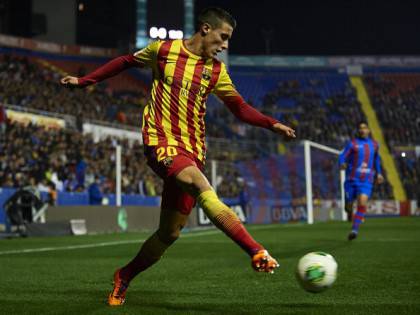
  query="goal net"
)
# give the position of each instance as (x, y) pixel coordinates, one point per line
(324, 183)
(296, 183)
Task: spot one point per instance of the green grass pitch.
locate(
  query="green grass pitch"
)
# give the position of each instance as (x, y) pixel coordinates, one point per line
(205, 273)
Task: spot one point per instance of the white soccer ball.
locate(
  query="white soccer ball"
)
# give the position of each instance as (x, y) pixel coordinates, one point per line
(316, 271)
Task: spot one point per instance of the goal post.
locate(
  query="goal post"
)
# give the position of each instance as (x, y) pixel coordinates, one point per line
(308, 145)
(326, 203)
(118, 176)
(213, 179)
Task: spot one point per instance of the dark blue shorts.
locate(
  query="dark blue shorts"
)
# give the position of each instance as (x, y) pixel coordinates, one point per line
(353, 189)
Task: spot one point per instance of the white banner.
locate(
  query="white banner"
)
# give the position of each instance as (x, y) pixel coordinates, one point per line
(102, 132)
(382, 207)
(37, 45)
(26, 118)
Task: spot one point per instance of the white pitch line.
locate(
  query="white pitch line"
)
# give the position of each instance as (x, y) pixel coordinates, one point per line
(103, 244)
(50, 249)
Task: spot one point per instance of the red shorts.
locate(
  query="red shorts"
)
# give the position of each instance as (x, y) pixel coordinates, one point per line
(167, 162)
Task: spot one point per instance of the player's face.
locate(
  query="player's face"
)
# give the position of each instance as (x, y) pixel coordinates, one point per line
(216, 39)
(363, 131)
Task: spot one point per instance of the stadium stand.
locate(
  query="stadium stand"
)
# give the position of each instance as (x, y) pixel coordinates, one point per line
(321, 104)
(71, 161)
(396, 99)
(28, 83)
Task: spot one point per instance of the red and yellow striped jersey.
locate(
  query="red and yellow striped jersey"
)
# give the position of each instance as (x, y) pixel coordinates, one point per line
(182, 82)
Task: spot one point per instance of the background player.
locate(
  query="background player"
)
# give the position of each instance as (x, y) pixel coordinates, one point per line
(360, 158)
(185, 72)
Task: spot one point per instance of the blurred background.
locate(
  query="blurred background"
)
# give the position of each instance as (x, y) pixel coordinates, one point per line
(264, 27)
(320, 67)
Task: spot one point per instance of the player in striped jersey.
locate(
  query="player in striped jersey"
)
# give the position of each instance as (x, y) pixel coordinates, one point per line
(185, 72)
(360, 158)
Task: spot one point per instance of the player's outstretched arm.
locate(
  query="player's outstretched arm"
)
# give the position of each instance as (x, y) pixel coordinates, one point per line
(106, 71)
(226, 91)
(248, 114)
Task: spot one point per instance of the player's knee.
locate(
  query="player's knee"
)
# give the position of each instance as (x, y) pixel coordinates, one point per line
(362, 202)
(193, 181)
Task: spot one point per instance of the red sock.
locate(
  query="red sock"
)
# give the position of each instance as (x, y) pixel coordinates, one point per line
(230, 224)
(150, 252)
(358, 218)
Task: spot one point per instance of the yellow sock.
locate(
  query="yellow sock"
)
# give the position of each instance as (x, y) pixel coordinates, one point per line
(211, 204)
(226, 220)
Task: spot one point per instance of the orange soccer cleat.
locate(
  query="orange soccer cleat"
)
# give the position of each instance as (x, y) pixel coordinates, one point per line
(263, 262)
(117, 296)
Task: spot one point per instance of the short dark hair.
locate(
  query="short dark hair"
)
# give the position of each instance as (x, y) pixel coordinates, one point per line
(362, 122)
(214, 16)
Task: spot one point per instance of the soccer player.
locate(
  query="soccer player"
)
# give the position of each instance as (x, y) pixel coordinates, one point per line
(360, 158)
(185, 72)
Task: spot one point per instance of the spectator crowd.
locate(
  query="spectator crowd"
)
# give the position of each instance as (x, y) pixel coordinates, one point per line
(25, 83)
(71, 161)
(396, 99)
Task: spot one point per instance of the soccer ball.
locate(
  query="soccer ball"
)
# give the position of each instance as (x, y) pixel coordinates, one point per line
(316, 271)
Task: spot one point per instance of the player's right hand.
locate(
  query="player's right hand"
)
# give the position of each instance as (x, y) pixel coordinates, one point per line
(69, 81)
(284, 130)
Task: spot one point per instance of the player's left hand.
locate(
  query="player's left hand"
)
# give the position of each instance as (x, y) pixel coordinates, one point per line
(380, 179)
(284, 130)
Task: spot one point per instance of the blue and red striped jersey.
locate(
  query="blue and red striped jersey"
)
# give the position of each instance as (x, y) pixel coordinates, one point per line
(362, 158)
